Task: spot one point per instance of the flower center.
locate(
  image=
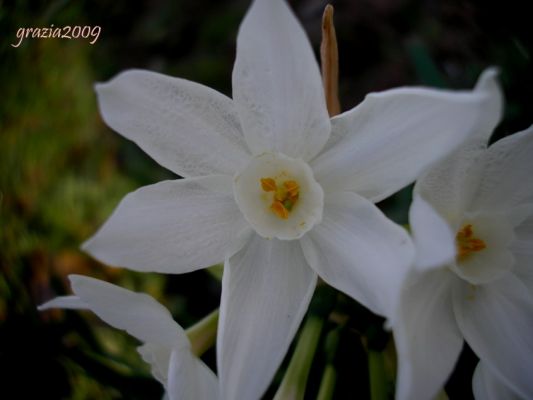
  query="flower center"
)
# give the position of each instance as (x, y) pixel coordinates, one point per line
(467, 243)
(482, 247)
(284, 195)
(279, 196)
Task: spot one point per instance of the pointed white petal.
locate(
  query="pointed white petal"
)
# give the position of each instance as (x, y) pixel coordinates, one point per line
(488, 386)
(189, 378)
(137, 313)
(266, 289)
(494, 180)
(450, 185)
(523, 252)
(427, 338)
(171, 227)
(497, 322)
(186, 127)
(167, 348)
(276, 84)
(493, 110)
(506, 181)
(357, 250)
(158, 357)
(69, 302)
(183, 375)
(433, 238)
(392, 137)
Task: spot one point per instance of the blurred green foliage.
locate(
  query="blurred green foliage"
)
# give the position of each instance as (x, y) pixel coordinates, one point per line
(62, 171)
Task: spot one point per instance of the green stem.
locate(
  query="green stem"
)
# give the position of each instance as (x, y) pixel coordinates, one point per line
(294, 382)
(378, 378)
(216, 271)
(327, 385)
(329, 377)
(203, 334)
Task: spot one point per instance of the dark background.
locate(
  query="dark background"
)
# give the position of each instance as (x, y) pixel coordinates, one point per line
(62, 171)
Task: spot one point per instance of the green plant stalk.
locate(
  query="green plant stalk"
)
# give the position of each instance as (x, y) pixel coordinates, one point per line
(329, 376)
(378, 377)
(327, 384)
(294, 382)
(203, 334)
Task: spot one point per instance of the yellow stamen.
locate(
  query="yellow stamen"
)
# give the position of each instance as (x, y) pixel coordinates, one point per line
(285, 195)
(292, 187)
(281, 194)
(268, 184)
(467, 243)
(279, 209)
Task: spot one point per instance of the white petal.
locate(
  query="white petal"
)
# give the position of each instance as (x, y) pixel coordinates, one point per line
(69, 302)
(137, 313)
(427, 338)
(158, 357)
(190, 379)
(433, 238)
(172, 227)
(523, 252)
(167, 348)
(493, 110)
(357, 250)
(497, 321)
(506, 181)
(184, 375)
(392, 137)
(186, 127)
(266, 289)
(276, 84)
(487, 386)
(450, 185)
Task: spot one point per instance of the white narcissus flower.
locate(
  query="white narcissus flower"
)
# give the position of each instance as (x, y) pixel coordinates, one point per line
(472, 224)
(274, 187)
(166, 346)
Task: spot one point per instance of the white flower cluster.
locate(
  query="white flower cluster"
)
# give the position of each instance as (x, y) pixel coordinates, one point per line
(283, 195)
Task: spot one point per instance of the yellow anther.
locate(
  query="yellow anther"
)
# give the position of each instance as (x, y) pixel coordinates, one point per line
(285, 195)
(268, 184)
(279, 209)
(292, 187)
(466, 242)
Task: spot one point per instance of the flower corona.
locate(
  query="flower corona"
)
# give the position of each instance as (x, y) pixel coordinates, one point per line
(279, 196)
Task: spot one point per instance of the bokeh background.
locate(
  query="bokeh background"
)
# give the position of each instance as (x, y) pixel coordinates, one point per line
(62, 171)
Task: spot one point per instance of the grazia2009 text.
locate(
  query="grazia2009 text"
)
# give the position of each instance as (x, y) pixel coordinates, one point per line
(65, 32)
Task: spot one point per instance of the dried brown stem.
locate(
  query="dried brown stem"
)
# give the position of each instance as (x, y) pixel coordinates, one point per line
(329, 56)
